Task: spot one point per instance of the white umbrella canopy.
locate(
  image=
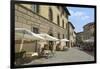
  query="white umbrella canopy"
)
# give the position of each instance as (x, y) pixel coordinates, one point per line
(48, 37)
(24, 34)
(27, 34)
(65, 40)
(89, 40)
(19, 36)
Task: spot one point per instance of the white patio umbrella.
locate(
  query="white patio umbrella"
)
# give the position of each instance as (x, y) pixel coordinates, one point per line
(89, 40)
(20, 36)
(24, 34)
(65, 40)
(48, 37)
(27, 34)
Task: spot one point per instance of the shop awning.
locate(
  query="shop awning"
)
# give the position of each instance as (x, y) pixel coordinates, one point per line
(48, 37)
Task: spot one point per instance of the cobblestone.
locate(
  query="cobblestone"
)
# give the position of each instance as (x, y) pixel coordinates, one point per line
(71, 55)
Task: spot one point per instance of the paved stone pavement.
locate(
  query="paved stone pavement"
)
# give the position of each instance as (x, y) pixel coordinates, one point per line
(71, 55)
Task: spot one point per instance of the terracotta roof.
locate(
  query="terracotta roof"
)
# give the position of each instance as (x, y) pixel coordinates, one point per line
(89, 24)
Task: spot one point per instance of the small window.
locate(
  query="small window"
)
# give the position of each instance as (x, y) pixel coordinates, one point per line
(58, 20)
(35, 8)
(58, 35)
(35, 30)
(50, 14)
(63, 23)
(38, 9)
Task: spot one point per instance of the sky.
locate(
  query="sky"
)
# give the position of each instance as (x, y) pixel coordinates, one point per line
(80, 16)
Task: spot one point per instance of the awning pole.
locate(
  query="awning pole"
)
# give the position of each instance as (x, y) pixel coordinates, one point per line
(21, 45)
(22, 41)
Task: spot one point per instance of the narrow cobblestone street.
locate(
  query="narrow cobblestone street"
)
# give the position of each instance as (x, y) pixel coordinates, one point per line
(71, 55)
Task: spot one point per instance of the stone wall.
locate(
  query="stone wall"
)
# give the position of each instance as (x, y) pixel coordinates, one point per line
(25, 18)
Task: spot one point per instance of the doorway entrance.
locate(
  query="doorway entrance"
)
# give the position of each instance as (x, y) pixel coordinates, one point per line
(51, 43)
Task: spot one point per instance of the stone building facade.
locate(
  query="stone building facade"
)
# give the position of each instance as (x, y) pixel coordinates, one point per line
(88, 31)
(71, 34)
(52, 20)
(86, 38)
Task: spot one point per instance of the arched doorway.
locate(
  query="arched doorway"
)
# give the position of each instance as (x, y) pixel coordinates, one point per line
(50, 43)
